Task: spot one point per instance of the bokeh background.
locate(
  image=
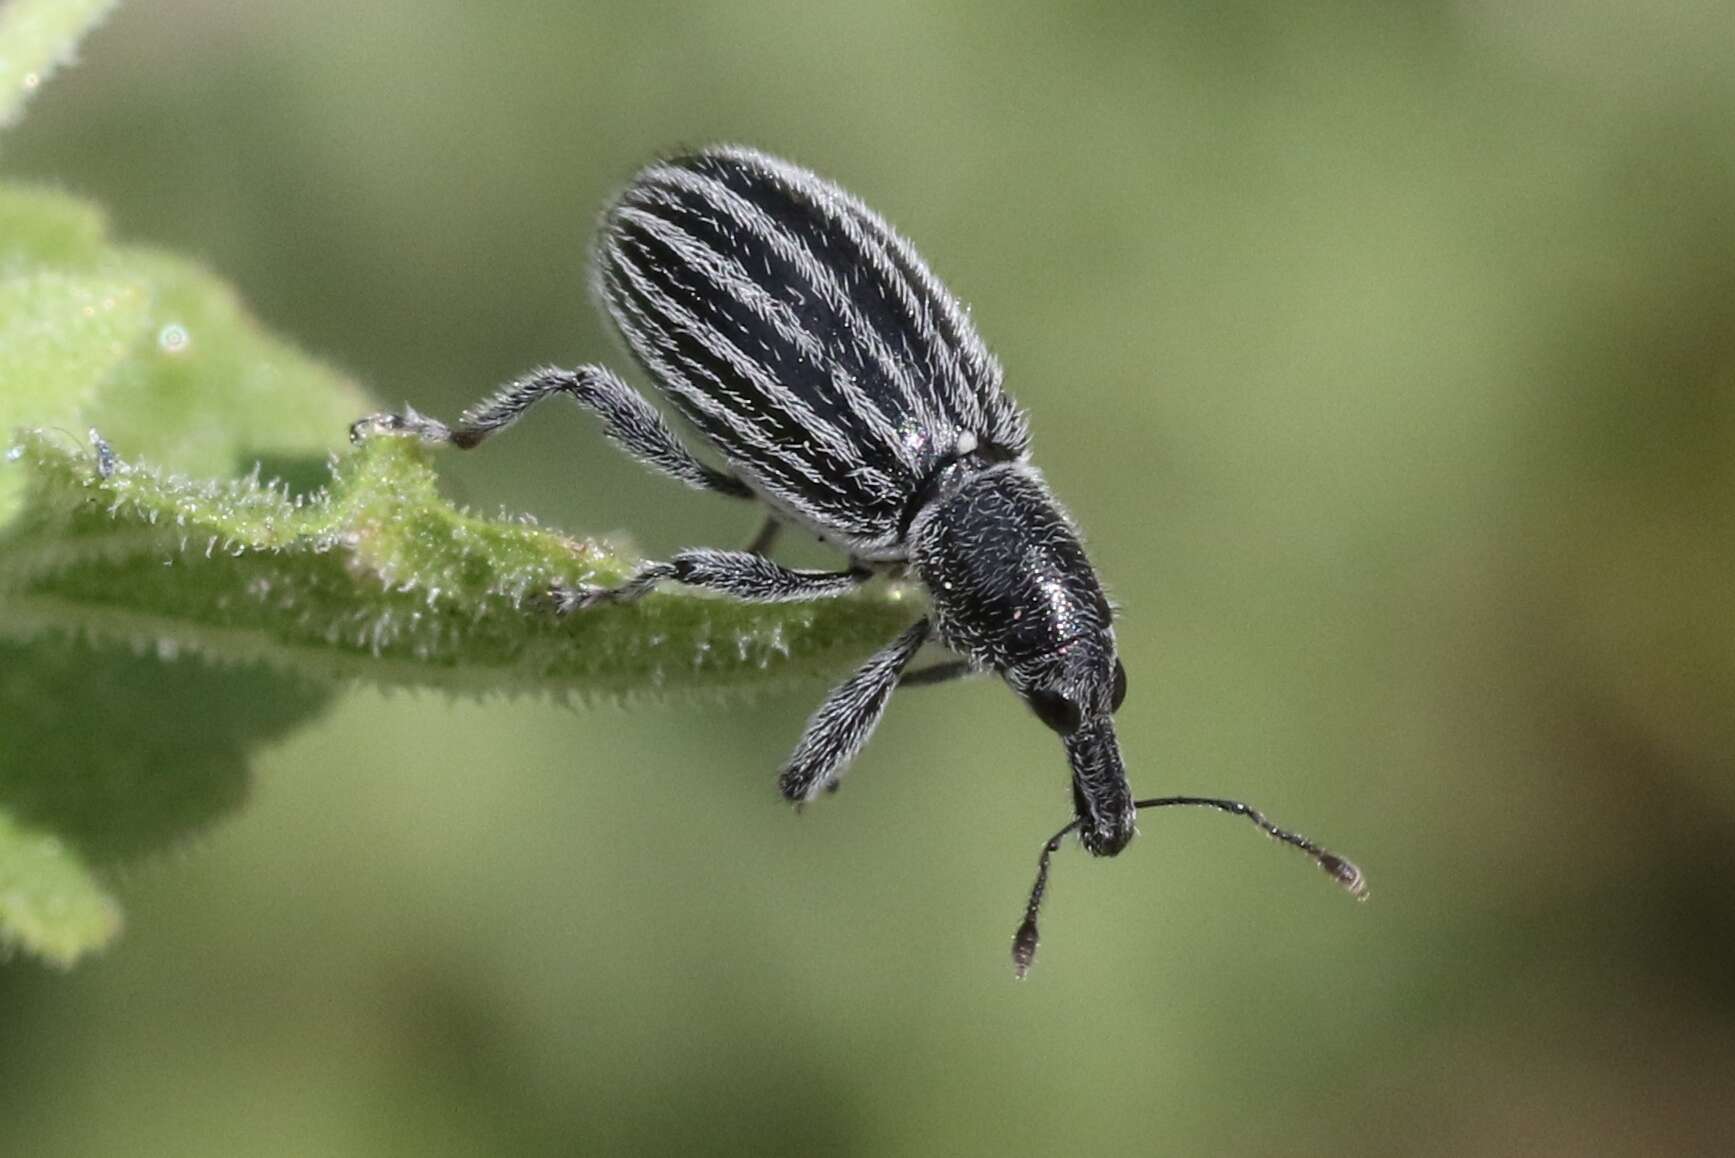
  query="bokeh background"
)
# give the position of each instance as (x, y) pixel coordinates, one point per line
(1387, 353)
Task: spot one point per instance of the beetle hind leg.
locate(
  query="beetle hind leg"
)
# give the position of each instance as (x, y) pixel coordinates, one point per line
(629, 421)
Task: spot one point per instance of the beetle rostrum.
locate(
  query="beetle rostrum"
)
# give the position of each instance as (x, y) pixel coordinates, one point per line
(844, 388)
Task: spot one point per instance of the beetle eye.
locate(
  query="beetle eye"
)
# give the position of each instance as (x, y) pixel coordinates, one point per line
(1055, 710)
(1120, 687)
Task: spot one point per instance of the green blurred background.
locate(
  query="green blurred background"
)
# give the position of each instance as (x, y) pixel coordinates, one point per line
(1387, 352)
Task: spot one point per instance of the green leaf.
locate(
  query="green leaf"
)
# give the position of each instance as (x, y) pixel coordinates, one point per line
(377, 578)
(117, 753)
(37, 37)
(49, 901)
(221, 527)
(98, 760)
(61, 333)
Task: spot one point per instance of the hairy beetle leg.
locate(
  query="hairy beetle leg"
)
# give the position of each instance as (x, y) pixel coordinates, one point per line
(841, 725)
(628, 420)
(738, 574)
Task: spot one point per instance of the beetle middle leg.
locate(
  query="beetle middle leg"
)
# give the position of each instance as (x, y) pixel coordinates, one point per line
(938, 673)
(629, 421)
(766, 537)
(738, 574)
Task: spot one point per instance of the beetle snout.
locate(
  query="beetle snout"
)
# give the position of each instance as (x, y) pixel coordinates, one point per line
(1106, 837)
(1100, 794)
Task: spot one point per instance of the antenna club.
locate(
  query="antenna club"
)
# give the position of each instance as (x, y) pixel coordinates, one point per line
(1346, 874)
(1024, 948)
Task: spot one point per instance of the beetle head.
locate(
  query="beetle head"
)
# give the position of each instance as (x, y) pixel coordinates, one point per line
(1076, 693)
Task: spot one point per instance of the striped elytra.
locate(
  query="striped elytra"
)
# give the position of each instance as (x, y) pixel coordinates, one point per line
(804, 337)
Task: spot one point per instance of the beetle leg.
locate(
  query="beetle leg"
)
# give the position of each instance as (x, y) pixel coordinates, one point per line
(766, 538)
(938, 673)
(629, 421)
(738, 574)
(844, 721)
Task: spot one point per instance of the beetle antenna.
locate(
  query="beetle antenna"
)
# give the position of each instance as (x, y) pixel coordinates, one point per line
(1024, 941)
(1339, 869)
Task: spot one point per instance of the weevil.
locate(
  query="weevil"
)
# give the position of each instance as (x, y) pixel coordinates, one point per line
(846, 389)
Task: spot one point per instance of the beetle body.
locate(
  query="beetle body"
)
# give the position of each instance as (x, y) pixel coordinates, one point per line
(845, 387)
(812, 347)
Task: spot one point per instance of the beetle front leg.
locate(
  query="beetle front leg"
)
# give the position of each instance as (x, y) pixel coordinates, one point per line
(843, 723)
(738, 574)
